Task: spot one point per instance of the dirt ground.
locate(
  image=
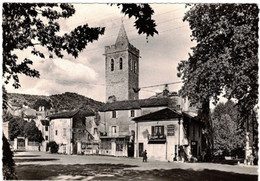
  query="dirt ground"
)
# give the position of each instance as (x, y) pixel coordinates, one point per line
(44, 166)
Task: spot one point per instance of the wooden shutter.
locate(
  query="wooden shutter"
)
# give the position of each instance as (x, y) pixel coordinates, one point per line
(153, 130)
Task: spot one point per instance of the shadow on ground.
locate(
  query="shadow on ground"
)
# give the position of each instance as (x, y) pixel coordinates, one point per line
(26, 156)
(34, 160)
(117, 172)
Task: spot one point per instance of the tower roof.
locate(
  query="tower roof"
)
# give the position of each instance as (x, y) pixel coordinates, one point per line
(122, 36)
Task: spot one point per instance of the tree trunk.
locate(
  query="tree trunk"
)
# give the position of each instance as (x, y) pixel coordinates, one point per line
(204, 115)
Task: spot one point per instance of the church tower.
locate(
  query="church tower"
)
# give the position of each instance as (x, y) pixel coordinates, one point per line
(122, 69)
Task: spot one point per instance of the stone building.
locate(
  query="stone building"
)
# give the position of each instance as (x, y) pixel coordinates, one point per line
(118, 125)
(122, 69)
(69, 130)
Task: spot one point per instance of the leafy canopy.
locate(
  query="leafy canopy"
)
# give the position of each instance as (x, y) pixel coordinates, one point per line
(228, 134)
(19, 127)
(225, 58)
(35, 25)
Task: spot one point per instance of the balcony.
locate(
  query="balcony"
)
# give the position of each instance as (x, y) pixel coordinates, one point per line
(157, 139)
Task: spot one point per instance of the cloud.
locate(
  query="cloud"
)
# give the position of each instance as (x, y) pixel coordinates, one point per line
(84, 75)
(74, 71)
(65, 70)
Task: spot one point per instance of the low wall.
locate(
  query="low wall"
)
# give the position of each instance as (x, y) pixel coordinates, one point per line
(105, 152)
(32, 148)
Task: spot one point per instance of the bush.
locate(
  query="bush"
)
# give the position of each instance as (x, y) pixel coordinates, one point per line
(8, 162)
(54, 147)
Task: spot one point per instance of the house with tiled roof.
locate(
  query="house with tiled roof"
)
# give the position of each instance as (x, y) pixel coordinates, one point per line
(168, 135)
(119, 128)
(71, 130)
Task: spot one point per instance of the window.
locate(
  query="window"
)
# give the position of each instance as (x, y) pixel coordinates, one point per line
(114, 130)
(135, 67)
(46, 128)
(64, 132)
(121, 64)
(119, 146)
(46, 138)
(113, 114)
(112, 65)
(56, 132)
(157, 130)
(131, 64)
(132, 113)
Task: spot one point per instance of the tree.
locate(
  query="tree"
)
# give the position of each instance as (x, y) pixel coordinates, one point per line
(8, 162)
(42, 102)
(228, 134)
(32, 132)
(35, 25)
(224, 59)
(19, 127)
(15, 126)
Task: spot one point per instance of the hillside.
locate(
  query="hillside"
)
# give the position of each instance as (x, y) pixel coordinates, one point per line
(63, 101)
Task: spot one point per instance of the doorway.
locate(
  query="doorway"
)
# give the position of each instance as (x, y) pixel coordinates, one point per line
(130, 149)
(141, 149)
(194, 151)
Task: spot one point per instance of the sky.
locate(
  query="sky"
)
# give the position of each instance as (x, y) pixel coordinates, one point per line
(85, 75)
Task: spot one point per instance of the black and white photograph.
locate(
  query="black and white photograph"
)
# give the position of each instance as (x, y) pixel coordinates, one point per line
(130, 91)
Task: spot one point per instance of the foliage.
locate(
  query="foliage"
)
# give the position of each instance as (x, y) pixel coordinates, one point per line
(19, 127)
(42, 102)
(225, 58)
(35, 25)
(28, 25)
(15, 126)
(228, 135)
(58, 102)
(143, 15)
(32, 132)
(54, 147)
(7, 161)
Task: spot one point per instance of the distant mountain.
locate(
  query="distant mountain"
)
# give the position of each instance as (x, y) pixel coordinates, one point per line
(65, 101)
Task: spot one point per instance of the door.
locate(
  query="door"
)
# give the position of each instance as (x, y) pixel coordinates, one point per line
(75, 150)
(141, 149)
(130, 149)
(194, 145)
(113, 147)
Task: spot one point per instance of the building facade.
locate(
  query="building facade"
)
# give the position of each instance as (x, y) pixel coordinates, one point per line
(68, 129)
(167, 135)
(119, 129)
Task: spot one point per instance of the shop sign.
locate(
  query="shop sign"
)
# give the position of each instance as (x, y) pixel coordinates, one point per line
(170, 130)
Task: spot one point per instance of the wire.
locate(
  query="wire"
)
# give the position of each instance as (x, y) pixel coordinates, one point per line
(160, 85)
(92, 20)
(99, 47)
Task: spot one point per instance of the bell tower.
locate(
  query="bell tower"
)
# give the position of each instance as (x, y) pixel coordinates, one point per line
(122, 69)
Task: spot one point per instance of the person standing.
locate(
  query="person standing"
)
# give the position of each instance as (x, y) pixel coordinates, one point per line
(145, 156)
